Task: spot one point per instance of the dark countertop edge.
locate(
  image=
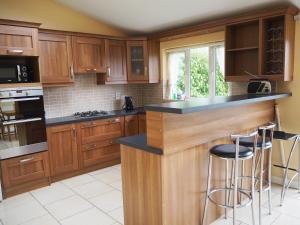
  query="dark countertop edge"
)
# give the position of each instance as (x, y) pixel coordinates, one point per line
(139, 142)
(72, 119)
(23, 150)
(259, 98)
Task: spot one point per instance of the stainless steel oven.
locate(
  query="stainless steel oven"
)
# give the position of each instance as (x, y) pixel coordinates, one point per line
(22, 120)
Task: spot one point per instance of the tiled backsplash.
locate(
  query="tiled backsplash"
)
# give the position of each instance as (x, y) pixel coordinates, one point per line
(87, 95)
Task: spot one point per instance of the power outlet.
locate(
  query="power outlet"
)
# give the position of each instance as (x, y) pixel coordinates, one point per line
(118, 95)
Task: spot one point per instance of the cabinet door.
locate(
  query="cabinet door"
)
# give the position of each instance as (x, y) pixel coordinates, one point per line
(142, 124)
(116, 61)
(137, 61)
(62, 148)
(20, 170)
(18, 40)
(98, 152)
(131, 125)
(55, 59)
(89, 55)
(97, 141)
(100, 130)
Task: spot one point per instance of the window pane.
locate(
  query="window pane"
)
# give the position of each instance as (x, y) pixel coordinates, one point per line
(222, 88)
(199, 72)
(176, 81)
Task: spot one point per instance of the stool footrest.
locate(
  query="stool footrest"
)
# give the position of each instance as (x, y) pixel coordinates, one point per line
(239, 191)
(285, 167)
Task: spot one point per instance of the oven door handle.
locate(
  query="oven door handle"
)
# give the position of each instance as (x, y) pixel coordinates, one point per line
(19, 99)
(11, 122)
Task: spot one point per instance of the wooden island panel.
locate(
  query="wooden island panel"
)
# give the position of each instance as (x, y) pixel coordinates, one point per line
(175, 132)
(170, 188)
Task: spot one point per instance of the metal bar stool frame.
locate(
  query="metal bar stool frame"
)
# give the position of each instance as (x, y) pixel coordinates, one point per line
(235, 173)
(265, 129)
(281, 135)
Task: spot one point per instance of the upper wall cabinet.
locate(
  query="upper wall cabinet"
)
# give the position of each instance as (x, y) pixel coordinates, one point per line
(260, 48)
(116, 67)
(143, 61)
(16, 40)
(137, 61)
(55, 59)
(89, 55)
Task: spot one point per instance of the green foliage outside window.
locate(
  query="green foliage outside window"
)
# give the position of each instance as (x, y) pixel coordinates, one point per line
(199, 77)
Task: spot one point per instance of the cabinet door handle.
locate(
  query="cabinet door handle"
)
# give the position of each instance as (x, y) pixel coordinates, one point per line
(146, 69)
(90, 124)
(108, 71)
(23, 161)
(115, 120)
(74, 133)
(91, 147)
(72, 71)
(15, 51)
(89, 69)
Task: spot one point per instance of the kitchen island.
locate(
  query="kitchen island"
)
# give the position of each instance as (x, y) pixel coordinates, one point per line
(164, 172)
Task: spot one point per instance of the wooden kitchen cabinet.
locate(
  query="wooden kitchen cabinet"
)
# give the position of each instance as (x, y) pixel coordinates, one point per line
(116, 67)
(143, 61)
(97, 141)
(18, 40)
(131, 125)
(261, 48)
(62, 143)
(137, 61)
(56, 67)
(142, 123)
(88, 55)
(25, 173)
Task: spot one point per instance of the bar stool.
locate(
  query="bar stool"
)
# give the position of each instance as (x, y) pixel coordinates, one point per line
(281, 135)
(263, 143)
(235, 153)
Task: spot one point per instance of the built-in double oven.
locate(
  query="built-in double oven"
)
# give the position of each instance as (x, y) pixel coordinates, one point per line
(22, 121)
(22, 117)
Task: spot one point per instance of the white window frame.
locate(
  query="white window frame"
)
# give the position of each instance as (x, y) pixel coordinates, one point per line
(212, 67)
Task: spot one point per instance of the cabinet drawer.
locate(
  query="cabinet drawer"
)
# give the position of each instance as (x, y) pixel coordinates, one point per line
(100, 152)
(100, 130)
(18, 40)
(24, 169)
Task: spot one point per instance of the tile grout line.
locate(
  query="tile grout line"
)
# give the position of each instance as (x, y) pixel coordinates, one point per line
(98, 207)
(45, 208)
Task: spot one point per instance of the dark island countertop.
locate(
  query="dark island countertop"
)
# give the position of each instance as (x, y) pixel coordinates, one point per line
(76, 119)
(139, 142)
(182, 107)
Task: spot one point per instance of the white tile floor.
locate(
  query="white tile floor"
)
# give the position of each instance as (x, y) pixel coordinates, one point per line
(96, 199)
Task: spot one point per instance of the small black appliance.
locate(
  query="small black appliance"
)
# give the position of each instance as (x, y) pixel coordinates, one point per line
(128, 106)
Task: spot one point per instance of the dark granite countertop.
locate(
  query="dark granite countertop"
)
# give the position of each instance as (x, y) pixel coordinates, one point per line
(182, 107)
(23, 150)
(139, 142)
(75, 119)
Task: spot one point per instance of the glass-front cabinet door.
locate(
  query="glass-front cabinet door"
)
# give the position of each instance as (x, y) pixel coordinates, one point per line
(137, 59)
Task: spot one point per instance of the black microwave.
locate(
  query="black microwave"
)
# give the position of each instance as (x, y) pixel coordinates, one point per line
(15, 73)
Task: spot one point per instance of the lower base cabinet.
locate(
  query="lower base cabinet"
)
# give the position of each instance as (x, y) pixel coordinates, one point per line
(62, 144)
(85, 146)
(96, 153)
(25, 173)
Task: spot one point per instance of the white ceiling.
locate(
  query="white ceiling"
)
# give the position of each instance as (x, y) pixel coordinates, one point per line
(145, 16)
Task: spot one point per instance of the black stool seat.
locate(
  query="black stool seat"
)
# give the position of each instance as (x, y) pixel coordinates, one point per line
(248, 142)
(281, 135)
(228, 151)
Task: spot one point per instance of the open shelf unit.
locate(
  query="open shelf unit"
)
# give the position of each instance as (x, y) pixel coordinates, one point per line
(261, 47)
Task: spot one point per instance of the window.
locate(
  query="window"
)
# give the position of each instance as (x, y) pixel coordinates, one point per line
(196, 72)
